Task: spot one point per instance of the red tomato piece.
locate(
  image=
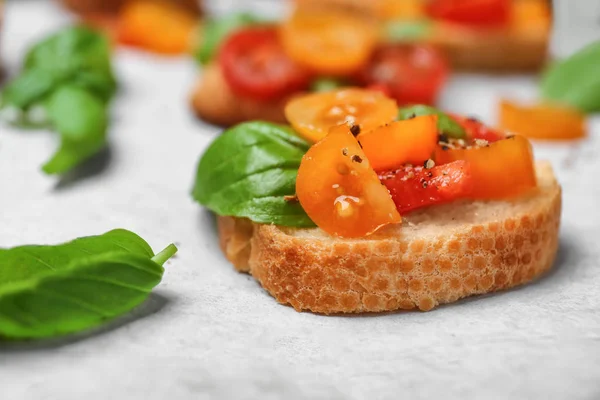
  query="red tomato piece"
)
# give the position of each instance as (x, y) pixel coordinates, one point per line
(471, 12)
(254, 65)
(409, 73)
(477, 129)
(416, 187)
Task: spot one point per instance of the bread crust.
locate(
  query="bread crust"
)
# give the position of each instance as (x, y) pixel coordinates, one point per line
(419, 265)
(493, 51)
(113, 6)
(213, 101)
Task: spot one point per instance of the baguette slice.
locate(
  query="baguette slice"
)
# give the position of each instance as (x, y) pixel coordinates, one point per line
(438, 255)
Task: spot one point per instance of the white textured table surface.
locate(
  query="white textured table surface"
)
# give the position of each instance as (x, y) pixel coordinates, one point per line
(209, 332)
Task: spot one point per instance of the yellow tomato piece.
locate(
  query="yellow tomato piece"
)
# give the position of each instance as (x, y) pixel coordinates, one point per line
(501, 169)
(403, 9)
(410, 141)
(314, 114)
(542, 121)
(328, 42)
(340, 191)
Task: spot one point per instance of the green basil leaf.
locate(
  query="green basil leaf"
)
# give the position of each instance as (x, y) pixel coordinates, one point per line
(72, 50)
(446, 124)
(247, 171)
(575, 81)
(53, 290)
(406, 31)
(81, 120)
(326, 84)
(216, 30)
(30, 87)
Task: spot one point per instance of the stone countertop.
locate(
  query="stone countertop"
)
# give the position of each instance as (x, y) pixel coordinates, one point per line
(208, 332)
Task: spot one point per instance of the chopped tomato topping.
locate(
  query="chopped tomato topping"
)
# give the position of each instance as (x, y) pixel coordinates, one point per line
(416, 187)
(477, 130)
(501, 169)
(157, 25)
(543, 121)
(329, 43)
(313, 115)
(410, 73)
(410, 141)
(340, 191)
(479, 13)
(530, 16)
(254, 65)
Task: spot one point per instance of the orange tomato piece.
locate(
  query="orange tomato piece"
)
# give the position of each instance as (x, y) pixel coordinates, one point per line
(314, 114)
(530, 15)
(330, 43)
(542, 121)
(340, 191)
(410, 141)
(158, 26)
(500, 170)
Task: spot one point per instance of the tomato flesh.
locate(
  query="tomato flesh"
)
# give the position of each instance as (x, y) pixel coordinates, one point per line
(410, 141)
(410, 73)
(477, 130)
(339, 190)
(417, 187)
(477, 13)
(255, 65)
(501, 169)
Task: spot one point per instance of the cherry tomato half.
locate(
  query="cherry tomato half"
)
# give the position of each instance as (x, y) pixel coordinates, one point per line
(330, 43)
(471, 12)
(254, 65)
(340, 191)
(411, 73)
(313, 115)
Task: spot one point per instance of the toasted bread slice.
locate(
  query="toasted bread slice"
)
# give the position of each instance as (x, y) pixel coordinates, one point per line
(438, 255)
(497, 51)
(112, 6)
(213, 101)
